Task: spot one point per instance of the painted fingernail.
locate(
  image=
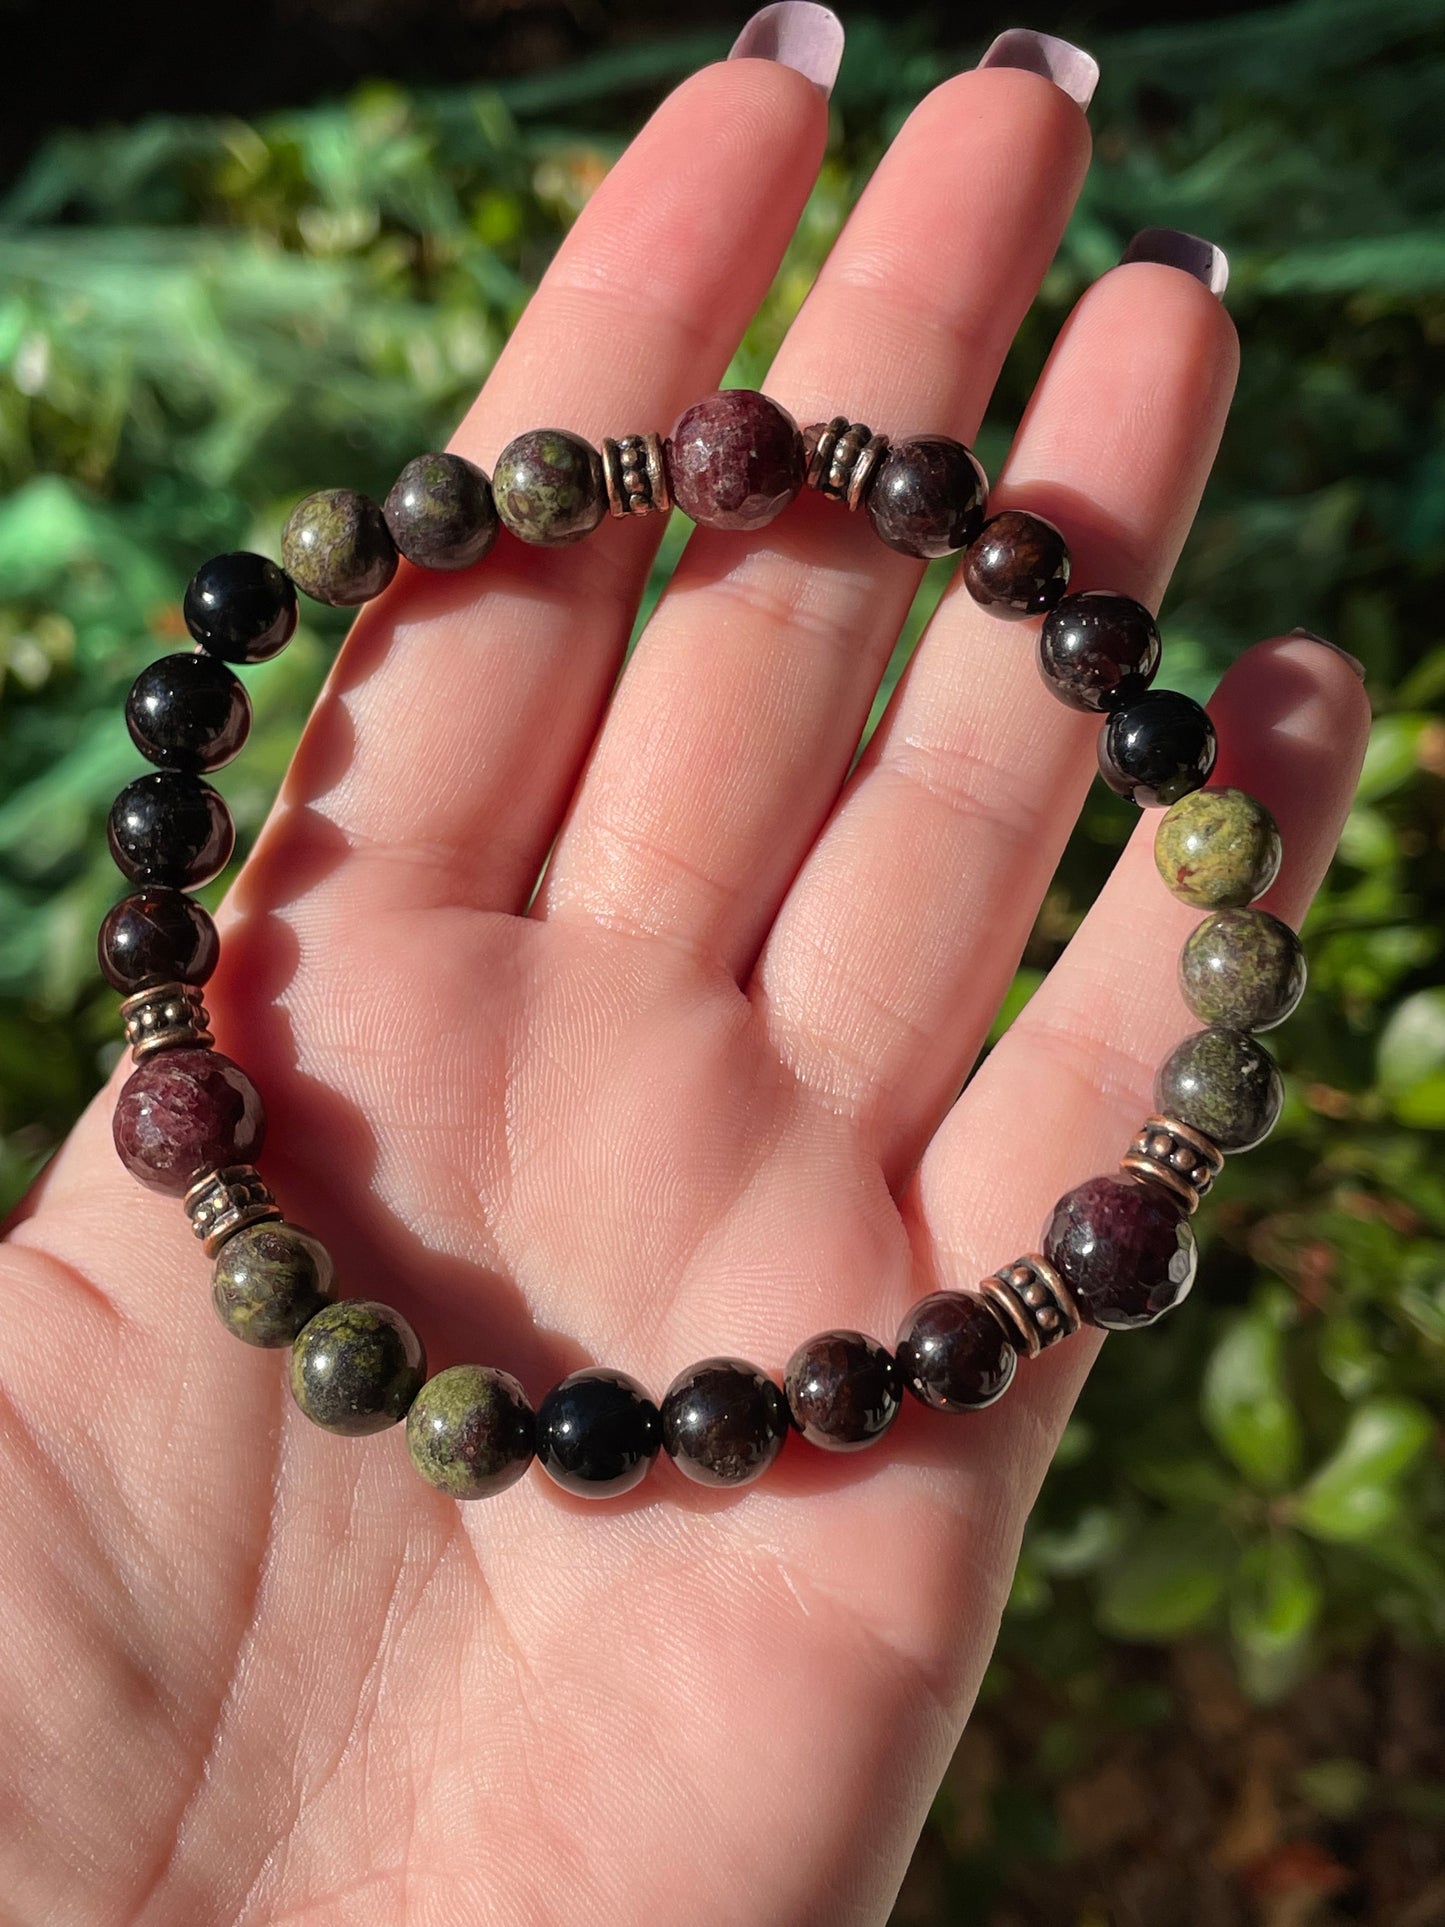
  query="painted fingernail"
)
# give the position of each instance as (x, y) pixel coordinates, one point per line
(797, 34)
(1067, 66)
(1323, 641)
(1171, 247)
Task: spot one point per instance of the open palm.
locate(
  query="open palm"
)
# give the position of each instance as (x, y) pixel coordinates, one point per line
(699, 1097)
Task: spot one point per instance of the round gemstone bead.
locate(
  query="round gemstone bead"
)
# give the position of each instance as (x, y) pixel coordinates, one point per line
(928, 496)
(549, 488)
(1242, 970)
(1125, 1250)
(441, 513)
(735, 459)
(1225, 1084)
(471, 1431)
(269, 1280)
(157, 936)
(170, 828)
(337, 547)
(843, 1390)
(1218, 849)
(597, 1433)
(1158, 749)
(954, 1354)
(182, 1113)
(1017, 565)
(356, 1367)
(1098, 650)
(188, 712)
(241, 607)
(724, 1421)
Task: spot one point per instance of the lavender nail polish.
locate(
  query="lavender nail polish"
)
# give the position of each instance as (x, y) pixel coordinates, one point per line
(1308, 635)
(1171, 247)
(797, 34)
(1066, 65)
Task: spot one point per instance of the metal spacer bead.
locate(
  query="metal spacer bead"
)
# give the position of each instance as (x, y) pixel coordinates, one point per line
(1034, 1303)
(165, 1017)
(1173, 1154)
(225, 1201)
(635, 469)
(843, 458)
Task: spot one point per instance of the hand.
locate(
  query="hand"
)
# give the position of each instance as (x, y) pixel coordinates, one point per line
(699, 1098)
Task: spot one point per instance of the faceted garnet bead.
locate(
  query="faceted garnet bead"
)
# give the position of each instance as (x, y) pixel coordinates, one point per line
(182, 1113)
(1125, 1250)
(843, 1390)
(269, 1280)
(1017, 565)
(441, 513)
(188, 712)
(1098, 650)
(1242, 969)
(1158, 749)
(471, 1431)
(356, 1367)
(1218, 849)
(724, 1422)
(241, 607)
(735, 459)
(549, 488)
(157, 936)
(597, 1433)
(1225, 1084)
(170, 828)
(928, 496)
(953, 1353)
(337, 547)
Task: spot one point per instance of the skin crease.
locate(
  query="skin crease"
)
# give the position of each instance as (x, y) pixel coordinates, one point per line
(697, 1103)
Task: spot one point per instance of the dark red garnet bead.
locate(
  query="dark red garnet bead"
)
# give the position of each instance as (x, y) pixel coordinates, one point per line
(954, 1354)
(170, 828)
(724, 1422)
(1017, 566)
(1099, 651)
(1125, 1250)
(735, 459)
(928, 496)
(188, 712)
(843, 1390)
(157, 936)
(182, 1113)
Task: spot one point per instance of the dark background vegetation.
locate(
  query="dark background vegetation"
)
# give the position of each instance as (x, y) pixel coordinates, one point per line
(248, 251)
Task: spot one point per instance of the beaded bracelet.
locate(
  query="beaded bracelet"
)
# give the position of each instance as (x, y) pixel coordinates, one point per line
(1117, 1252)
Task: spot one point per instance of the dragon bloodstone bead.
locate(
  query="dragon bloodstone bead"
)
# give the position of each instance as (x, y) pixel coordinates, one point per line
(269, 1280)
(170, 828)
(471, 1431)
(157, 936)
(927, 498)
(1242, 970)
(1125, 1250)
(182, 1113)
(1017, 565)
(1099, 650)
(1218, 849)
(549, 488)
(1225, 1084)
(356, 1367)
(337, 547)
(188, 712)
(241, 607)
(441, 513)
(843, 1389)
(1157, 749)
(597, 1433)
(954, 1354)
(724, 1422)
(735, 459)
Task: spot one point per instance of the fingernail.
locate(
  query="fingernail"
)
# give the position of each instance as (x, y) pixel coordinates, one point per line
(1171, 247)
(1067, 66)
(797, 34)
(1354, 661)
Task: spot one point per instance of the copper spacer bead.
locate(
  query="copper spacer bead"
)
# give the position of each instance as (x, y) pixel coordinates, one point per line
(1032, 1302)
(843, 458)
(165, 1017)
(635, 470)
(226, 1201)
(1175, 1156)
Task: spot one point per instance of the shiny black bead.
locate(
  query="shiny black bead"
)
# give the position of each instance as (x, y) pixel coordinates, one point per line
(1099, 651)
(241, 607)
(724, 1421)
(843, 1389)
(1158, 749)
(188, 712)
(170, 828)
(157, 936)
(597, 1433)
(954, 1353)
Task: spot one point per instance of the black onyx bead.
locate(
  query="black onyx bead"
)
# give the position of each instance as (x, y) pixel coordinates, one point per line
(597, 1433)
(928, 496)
(724, 1421)
(170, 828)
(356, 1367)
(157, 936)
(188, 712)
(241, 607)
(1017, 566)
(1158, 749)
(1098, 650)
(843, 1389)
(1125, 1250)
(441, 513)
(954, 1354)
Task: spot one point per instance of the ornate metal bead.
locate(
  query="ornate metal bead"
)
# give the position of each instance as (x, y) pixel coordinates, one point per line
(843, 458)
(1175, 1155)
(635, 470)
(1033, 1302)
(165, 1017)
(226, 1201)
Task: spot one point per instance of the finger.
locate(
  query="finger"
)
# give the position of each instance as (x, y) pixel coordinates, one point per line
(745, 699)
(898, 940)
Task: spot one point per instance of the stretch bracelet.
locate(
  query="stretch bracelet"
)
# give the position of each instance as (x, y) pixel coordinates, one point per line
(1117, 1252)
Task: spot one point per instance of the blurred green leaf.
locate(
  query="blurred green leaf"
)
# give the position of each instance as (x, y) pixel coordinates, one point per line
(1274, 1603)
(1169, 1581)
(1247, 1406)
(1356, 1491)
